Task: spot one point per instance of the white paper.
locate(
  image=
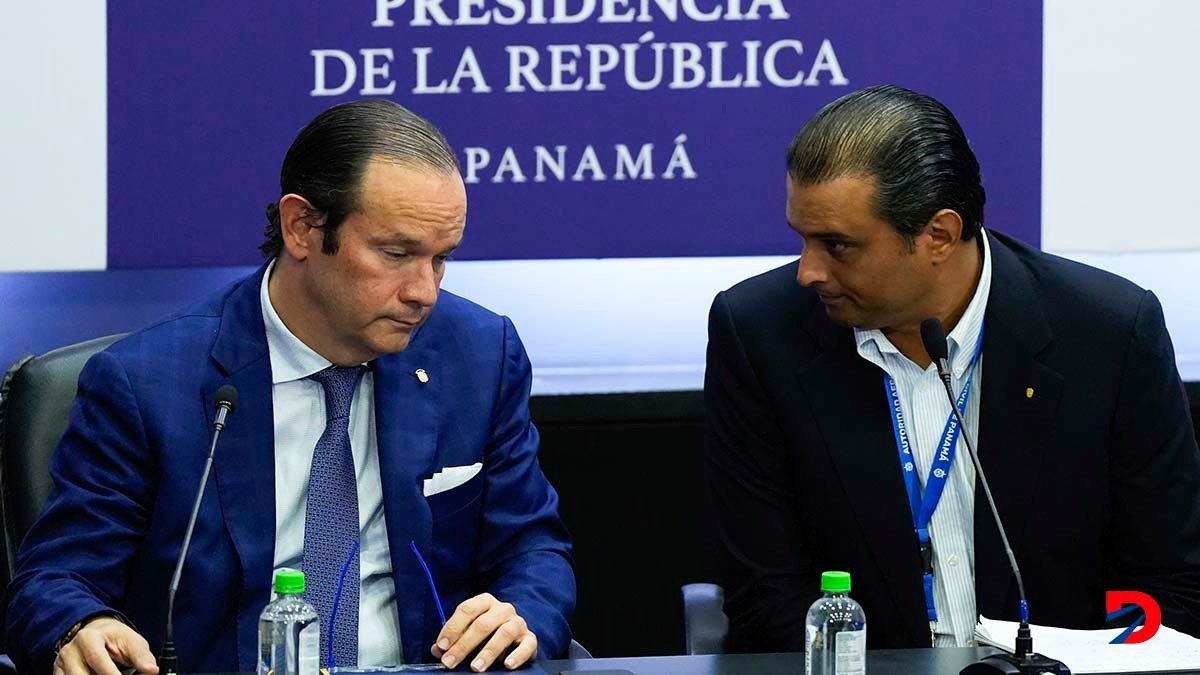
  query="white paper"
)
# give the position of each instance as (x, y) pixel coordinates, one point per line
(1089, 651)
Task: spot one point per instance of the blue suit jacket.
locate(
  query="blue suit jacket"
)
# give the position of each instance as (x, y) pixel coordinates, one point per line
(126, 471)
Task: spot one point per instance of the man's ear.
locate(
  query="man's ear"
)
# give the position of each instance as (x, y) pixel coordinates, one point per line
(299, 225)
(945, 232)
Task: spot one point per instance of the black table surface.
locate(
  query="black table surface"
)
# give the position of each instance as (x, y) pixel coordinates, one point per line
(879, 662)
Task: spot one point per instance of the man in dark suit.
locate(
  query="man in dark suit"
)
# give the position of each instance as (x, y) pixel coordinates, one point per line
(375, 431)
(826, 419)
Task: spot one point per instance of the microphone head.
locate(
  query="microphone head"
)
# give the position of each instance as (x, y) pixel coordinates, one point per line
(226, 396)
(933, 337)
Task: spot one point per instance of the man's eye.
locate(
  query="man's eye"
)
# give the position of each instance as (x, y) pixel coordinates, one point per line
(397, 255)
(836, 247)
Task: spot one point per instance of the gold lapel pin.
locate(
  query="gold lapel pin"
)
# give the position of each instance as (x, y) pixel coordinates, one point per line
(422, 376)
(1029, 393)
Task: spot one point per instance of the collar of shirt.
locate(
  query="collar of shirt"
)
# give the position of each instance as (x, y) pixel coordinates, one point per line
(291, 359)
(873, 345)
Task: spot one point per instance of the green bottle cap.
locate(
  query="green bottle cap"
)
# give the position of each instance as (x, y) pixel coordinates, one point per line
(289, 582)
(835, 582)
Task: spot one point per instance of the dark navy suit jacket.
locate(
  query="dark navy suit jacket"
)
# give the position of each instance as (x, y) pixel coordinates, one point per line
(126, 471)
(1084, 433)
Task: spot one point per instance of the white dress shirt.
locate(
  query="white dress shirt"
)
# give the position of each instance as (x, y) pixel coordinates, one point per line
(299, 408)
(925, 405)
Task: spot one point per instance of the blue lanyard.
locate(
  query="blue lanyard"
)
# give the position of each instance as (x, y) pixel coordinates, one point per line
(923, 506)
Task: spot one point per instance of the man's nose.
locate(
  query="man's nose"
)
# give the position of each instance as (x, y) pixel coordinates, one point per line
(421, 287)
(811, 270)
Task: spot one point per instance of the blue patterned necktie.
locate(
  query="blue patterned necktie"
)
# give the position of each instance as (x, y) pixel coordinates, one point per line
(331, 520)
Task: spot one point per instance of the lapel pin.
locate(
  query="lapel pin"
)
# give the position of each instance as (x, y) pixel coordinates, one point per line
(423, 377)
(1029, 393)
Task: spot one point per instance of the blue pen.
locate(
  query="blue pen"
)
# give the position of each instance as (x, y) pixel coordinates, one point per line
(337, 601)
(437, 600)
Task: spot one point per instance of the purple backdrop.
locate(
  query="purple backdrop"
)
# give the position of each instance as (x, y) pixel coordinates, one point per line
(204, 99)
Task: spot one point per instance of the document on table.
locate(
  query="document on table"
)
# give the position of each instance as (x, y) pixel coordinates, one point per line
(1089, 651)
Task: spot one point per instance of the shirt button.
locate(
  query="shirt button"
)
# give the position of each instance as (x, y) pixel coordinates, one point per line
(953, 561)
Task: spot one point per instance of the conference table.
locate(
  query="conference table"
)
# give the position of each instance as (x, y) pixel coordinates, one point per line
(879, 662)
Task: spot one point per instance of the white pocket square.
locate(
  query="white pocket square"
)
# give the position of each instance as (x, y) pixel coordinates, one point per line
(450, 477)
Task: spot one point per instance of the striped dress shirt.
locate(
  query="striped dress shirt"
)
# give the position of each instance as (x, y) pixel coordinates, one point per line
(923, 399)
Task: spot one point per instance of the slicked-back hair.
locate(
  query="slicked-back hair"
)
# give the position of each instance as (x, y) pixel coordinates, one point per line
(909, 143)
(329, 158)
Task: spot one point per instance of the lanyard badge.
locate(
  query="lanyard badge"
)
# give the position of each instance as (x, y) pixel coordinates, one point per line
(923, 505)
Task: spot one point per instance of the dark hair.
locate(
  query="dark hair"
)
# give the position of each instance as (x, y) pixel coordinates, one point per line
(329, 157)
(908, 142)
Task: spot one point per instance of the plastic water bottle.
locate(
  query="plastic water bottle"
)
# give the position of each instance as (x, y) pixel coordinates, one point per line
(835, 641)
(289, 631)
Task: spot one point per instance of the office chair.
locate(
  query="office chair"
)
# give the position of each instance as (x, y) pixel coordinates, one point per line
(35, 403)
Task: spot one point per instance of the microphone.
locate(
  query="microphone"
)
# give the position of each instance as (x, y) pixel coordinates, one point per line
(1023, 661)
(933, 337)
(226, 400)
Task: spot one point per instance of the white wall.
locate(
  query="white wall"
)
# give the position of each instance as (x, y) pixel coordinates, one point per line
(1121, 136)
(53, 136)
(1120, 149)
(608, 325)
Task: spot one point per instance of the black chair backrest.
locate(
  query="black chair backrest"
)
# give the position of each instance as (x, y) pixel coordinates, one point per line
(33, 415)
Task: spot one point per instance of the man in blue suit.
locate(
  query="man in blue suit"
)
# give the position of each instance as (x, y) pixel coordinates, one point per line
(374, 432)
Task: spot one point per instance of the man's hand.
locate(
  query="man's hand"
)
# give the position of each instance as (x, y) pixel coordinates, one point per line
(102, 646)
(476, 620)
